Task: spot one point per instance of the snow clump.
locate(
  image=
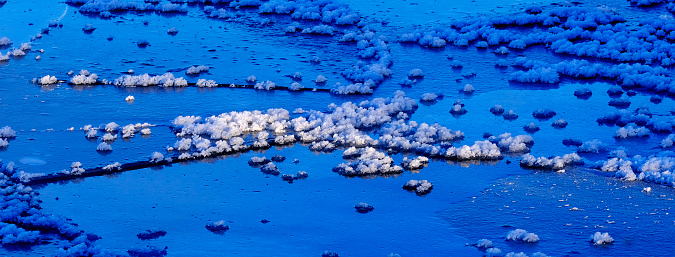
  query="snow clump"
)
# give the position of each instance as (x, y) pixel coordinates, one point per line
(47, 80)
(416, 73)
(522, 235)
(601, 238)
(84, 78)
(156, 157)
(320, 79)
(593, 146)
(197, 69)
(484, 243)
(416, 163)
(104, 147)
(429, 97)
(480, 150)
(368, 163)
(630, 131)
(468, 88)
(421, 187)
(560, 123)
(206, 83)
(145, 80)
(7, 132)
(554, 163)
(265, 85)
(510, 115)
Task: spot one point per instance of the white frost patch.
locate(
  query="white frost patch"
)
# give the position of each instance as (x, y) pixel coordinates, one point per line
(560, 123)
(322, 146)
(593, 146)
(601, 238)
(183, 144)
(620, 152)
(493, 252)
(480, 150)
(510, 115)
(296, 75)
(484, 243)
(75, 169)
(113, 166)
(24, 177)
(497, 109)
(429, 97)
(630, 131)
(7, 132)
(92, 133)
(206, 83)
(284, 139)
(4, 57)
(265, 85)
(25, 47)
(554, 163)
(668, 141)
(369, 162)
(358, 88)
(531, 127)
(197, 69)
(502, 50)
(421, 187)
(156, 157)
(104, 147)
(4, 41)
(185, 120)
(622, 167)
(320, 79)
(517, 144)
(468, 88)
(108, 137)
(416, 163)
(48, 80)
(458, 109)
(111, 127)
(416, 73)
(655, 169)
(128, 131)
(145, 80)
(295, 86)
(18, 52)
(84, 78)
(522, 235)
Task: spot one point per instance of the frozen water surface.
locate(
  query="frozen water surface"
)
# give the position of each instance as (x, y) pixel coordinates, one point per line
(306, 217)
(483, 198)
(565, 209)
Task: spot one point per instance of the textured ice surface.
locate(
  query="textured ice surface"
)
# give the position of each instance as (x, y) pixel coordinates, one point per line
(234, 44)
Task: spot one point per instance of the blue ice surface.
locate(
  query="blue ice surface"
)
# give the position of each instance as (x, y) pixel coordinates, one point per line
(564, 209)
(316, 214)
(306, 217)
